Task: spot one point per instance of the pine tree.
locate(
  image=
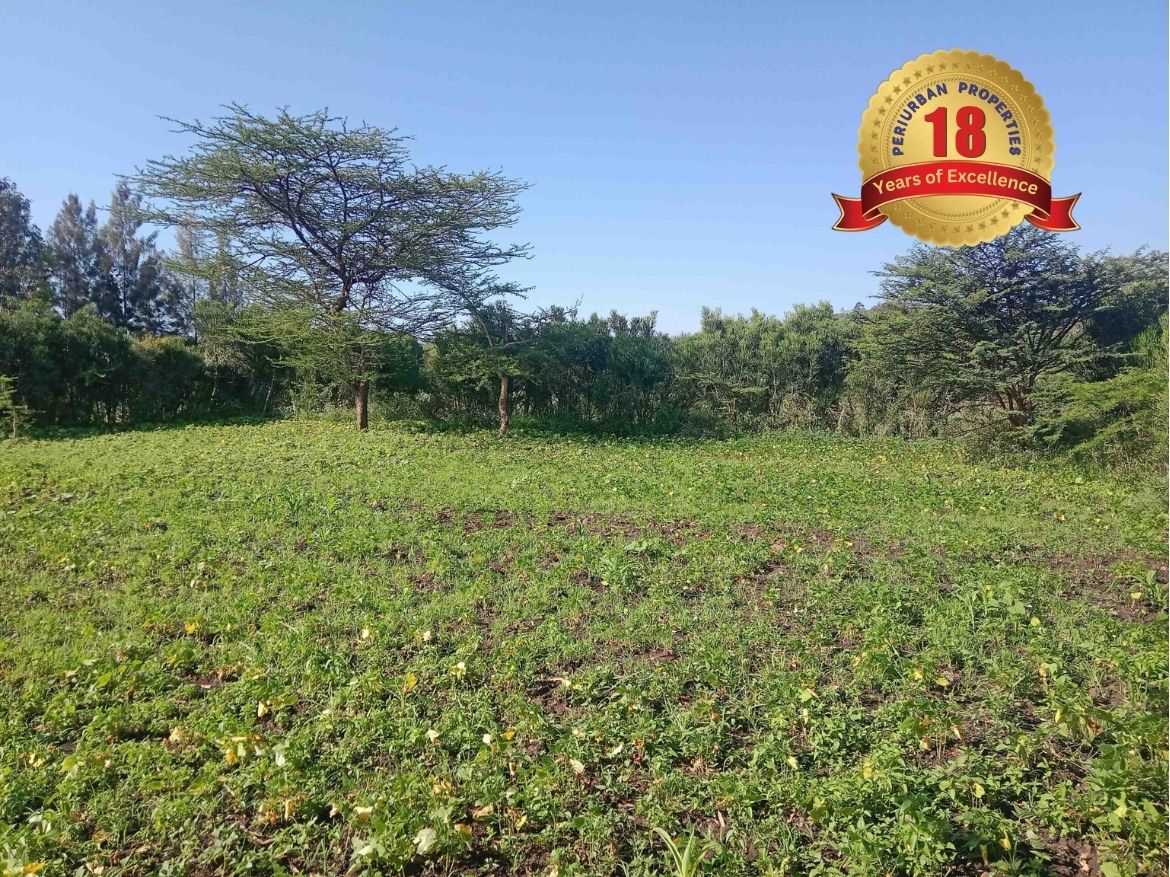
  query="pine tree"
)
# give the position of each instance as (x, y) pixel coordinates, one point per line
(76, 257)
(187, 267)
(22, 263)
(134, 267)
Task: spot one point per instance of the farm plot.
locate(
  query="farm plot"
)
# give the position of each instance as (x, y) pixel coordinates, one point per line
(290, 648)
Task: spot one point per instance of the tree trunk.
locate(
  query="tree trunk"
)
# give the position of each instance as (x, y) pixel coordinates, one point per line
(361, 403)
(504, 417)
(1019, 407)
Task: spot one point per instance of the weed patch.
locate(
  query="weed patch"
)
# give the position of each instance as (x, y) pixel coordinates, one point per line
(440, 653)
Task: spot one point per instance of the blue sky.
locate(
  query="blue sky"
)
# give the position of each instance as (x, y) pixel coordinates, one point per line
(680, 154)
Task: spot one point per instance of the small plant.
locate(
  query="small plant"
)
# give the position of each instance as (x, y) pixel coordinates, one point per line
(687, 861)
(11, 409)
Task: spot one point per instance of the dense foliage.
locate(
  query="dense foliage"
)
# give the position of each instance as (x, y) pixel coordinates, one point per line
(315, 265)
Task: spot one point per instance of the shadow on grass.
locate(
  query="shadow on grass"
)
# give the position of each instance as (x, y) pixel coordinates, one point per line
(600, 432)
(58, 433)
(575, 429)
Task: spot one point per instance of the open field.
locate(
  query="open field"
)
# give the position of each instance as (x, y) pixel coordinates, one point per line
(293, 648)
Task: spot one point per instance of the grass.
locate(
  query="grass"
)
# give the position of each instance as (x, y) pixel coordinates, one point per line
(290, 648)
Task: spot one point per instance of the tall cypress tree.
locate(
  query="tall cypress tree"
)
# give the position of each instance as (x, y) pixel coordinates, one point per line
(76, 257)
(134, 266)
(22, 263)
(187, 284)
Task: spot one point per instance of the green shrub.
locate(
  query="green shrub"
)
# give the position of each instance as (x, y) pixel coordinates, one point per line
(12, 410)
(1122, 419)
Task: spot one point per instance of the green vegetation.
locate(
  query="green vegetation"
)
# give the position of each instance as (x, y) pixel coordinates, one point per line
(296, 648)
(317, 265)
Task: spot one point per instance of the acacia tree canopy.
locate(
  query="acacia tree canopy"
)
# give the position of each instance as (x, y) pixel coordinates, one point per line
(317, 215)
(316, 212)
(983, 325)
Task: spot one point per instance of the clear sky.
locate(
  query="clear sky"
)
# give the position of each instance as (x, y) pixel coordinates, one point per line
(679, 153)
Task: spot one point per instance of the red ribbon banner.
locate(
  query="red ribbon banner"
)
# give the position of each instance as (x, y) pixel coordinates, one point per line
(955, 178)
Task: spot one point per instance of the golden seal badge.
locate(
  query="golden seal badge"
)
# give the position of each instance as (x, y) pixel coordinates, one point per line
(955, 148)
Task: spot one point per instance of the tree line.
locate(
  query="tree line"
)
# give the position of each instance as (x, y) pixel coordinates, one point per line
(315, 265)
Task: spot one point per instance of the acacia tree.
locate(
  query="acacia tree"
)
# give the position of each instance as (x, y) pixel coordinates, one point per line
(493, 344)
(320, 217)
(498, 345)
(983, 325)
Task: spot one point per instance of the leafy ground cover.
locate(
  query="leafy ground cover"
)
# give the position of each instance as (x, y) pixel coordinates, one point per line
(291, 648)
